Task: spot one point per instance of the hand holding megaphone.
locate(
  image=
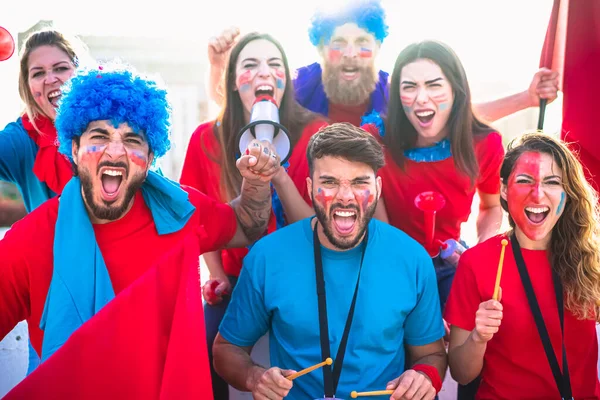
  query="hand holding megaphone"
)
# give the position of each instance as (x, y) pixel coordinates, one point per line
(259, 161)
(264, 125)
(7, 44)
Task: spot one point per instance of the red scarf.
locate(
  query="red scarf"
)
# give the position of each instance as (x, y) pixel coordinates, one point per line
(50, 166)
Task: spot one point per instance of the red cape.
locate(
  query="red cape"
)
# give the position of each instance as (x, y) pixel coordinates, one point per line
(148, 343)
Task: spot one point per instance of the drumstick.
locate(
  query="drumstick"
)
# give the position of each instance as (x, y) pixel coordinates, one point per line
(328, 361)
(504, 242)
(355, 394)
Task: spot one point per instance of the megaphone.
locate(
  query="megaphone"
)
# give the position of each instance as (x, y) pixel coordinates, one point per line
(7, 44)
(264, 125)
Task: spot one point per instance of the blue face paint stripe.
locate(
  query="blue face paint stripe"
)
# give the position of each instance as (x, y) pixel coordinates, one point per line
(561, 204)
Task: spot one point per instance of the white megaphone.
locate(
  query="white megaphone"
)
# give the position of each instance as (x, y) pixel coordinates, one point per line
(264, 125)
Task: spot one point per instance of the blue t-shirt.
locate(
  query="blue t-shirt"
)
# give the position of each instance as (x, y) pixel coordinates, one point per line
(397, 304)
(17, 156)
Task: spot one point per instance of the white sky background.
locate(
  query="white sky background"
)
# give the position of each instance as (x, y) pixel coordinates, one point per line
(499, 42)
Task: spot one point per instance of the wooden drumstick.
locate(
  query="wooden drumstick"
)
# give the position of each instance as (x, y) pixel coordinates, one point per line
(328, 361)
(504, 242)
(355, 394)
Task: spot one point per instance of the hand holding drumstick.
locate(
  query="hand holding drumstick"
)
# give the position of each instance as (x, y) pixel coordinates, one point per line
(489, 315)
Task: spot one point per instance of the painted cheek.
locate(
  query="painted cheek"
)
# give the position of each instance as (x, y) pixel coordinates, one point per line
(138, 158)
(92, 152)
(365, 53)
(335, 55)
(280, 74)
(37, 95)
(280, 84)
(364, 198)
(244, 81)
(561, 205)
(325, 196)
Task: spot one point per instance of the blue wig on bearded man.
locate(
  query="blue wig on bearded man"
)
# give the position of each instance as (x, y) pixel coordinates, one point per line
(346, 82)
(92, 102)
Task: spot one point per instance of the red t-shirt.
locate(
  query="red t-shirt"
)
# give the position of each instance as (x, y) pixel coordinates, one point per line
(201, 171)
(130, 246)
(344, 113)
(515, 364)
(399, 189)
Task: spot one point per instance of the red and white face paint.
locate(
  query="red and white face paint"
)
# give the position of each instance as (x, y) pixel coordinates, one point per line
(112, 163)
(260, 71)
(48, 69)
(344, 195)
(536, 198)
(427, 99)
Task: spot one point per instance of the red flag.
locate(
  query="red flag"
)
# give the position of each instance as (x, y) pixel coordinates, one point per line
(147, 343)
(581, 86)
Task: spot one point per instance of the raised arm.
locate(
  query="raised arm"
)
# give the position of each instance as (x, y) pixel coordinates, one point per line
(218, 54)
(544, 85)
(253, 206)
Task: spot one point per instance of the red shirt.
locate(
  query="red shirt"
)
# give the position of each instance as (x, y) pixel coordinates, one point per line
(201, 171)
(130, 246)
(344, 113)
(515, 364)
(399, 189)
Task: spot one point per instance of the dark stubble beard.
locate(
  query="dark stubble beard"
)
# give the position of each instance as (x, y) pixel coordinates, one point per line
(349, 93)
(327, 222)
(106, 211)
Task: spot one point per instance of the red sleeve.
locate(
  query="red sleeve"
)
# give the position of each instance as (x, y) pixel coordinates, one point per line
(218, 219)
(490, 154)
(193, 173)
(14, 275)
(464, 298)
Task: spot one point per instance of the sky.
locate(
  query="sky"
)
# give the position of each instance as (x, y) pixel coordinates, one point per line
(499, 42)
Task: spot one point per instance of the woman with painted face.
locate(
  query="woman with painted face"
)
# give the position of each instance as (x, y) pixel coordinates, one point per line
(435, 143)
(257, 67)
(29, 154)
(538, 340)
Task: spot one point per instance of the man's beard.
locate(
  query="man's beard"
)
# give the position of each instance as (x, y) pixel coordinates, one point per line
(105, 211)
(350, 93)
(328, 228)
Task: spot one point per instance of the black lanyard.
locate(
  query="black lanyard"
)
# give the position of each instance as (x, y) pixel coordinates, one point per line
(331, 376)
(562, 379)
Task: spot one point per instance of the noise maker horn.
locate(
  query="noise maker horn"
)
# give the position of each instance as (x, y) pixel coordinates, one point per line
(264, 125)
(7, 44)
(504, 242)
(430, 203)
(328, 361)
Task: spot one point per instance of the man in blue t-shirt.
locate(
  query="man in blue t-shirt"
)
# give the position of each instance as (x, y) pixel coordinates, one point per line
(378, 305)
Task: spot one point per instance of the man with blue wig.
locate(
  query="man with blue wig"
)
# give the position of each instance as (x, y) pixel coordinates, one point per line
(345, 85)
(116, 217)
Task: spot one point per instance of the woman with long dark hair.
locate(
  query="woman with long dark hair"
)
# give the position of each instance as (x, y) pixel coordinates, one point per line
(257, 67)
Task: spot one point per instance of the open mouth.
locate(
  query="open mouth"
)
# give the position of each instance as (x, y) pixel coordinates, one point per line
(111, 182)
(264, 90)
(425, 117)
(350, 73)
(54, 96)
(344, 221)
(537, 215)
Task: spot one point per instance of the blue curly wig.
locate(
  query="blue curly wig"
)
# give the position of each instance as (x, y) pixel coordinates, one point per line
(367, 14)
(117, 93)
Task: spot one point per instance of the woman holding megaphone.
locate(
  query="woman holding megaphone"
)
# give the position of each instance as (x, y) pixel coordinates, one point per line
(259, 94)
(536, 339)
